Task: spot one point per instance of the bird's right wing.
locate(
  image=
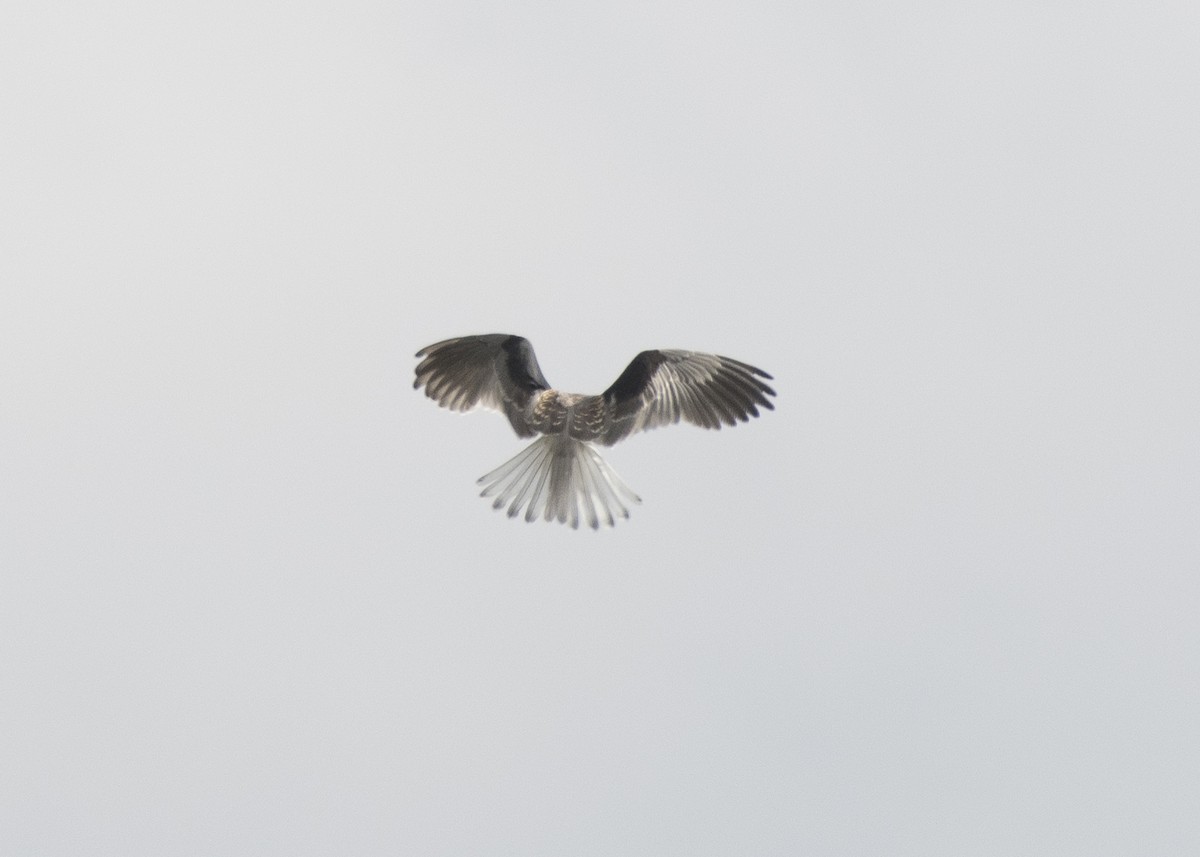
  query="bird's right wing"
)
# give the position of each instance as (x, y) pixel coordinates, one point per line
(496, 371)
(661, 387)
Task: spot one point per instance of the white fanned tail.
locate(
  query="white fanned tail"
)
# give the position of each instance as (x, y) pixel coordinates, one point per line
(559, 478)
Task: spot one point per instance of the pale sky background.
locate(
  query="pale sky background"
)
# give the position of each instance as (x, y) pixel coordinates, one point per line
(943, 601)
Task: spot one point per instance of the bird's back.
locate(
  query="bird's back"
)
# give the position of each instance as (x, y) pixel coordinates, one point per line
(577, 416)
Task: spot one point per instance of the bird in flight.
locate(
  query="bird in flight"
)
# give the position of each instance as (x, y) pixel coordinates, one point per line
(560, 476)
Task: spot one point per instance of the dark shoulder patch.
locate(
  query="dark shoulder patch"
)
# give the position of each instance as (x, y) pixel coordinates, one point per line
(521, 364)
(635, 378)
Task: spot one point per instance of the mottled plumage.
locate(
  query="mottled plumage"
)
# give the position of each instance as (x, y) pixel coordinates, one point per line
(561, 477)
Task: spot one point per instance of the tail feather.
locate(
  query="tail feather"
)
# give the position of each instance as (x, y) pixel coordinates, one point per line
(559, 478)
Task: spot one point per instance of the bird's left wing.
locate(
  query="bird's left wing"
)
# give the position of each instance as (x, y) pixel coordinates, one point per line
(496, 371)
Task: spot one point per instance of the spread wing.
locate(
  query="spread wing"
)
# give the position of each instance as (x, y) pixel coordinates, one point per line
(661, 387)
(496, 371)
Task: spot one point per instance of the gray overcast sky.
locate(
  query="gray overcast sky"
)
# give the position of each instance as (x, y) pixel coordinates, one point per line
(942, 601)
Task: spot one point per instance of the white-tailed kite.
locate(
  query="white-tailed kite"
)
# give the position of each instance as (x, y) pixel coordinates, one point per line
(560, 476)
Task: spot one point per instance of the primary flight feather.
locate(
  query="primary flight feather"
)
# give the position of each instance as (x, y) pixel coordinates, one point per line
(560, 476)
